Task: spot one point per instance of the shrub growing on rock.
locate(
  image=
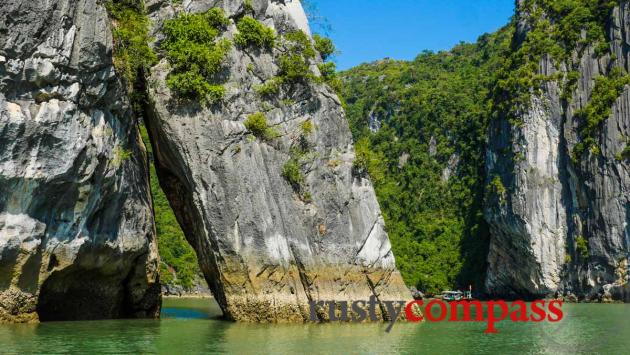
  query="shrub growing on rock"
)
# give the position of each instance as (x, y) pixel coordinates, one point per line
(269, 88)
(582, 246)
(192, 84)
(324, 46)
(292, 173)
(307, 127)
(330, 77)
(256, 123)
(195, 54)
(258, 126)
(300, 43)
(253, 33)
(131, 38)
(606, 91)
(294, 67)
(295, 62)
(496, 188)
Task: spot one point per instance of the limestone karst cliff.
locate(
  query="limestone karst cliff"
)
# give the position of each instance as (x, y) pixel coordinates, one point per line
(250, 144)
(76, 227)
(262, 179)
(557, 159)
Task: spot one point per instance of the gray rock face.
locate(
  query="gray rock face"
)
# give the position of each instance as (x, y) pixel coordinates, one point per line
(264, 251)
(552, 202)
(76, 227)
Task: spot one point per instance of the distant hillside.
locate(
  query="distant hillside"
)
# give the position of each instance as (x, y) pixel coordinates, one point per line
(420, 131)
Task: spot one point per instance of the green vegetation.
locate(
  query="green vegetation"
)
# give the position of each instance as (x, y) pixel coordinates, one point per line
(255, 34)
(178, 264)
(248, 6)
(571, 17)
(294, 62)
(435, 224)
(300, 43)
(555, 28)
(328, 70)
(132, 53)
(298, 53)
(300, 154)
(293, 68)
(120, 155)
(426, 154)
(191, 85)
(195, 54)
(606, 91)
(324, 46)
(582, 247)
(294, 65)
(567, 259)
(257, 124)
(329, 76)
(269, 88)
(496, 188)
(368, 162)
(292, 172)
(307, 127)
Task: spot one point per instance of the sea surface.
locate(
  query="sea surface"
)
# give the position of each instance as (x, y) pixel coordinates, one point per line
(193, 326)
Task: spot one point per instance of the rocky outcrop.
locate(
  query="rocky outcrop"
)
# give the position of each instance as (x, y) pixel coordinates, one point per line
(266, 249)
(561, 223)
(76, 227)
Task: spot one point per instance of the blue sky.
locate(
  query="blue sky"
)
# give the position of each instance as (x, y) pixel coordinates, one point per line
(368, 30)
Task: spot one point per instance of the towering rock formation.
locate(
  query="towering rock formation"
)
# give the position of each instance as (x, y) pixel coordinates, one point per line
(76, 228)
(275, 213)
(559, 186)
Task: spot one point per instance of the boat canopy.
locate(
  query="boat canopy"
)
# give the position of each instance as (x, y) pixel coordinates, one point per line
(452, 293)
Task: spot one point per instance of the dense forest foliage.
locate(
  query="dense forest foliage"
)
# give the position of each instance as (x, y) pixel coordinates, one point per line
(420, 130)
(178, 261)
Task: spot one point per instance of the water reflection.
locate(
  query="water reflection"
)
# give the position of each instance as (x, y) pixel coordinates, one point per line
(593, 328)
(118, 336)
(317, 338)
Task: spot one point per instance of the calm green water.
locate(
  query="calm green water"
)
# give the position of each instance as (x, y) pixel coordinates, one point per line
(191, 326)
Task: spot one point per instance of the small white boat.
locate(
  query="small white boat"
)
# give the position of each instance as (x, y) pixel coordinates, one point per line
(452, 295)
